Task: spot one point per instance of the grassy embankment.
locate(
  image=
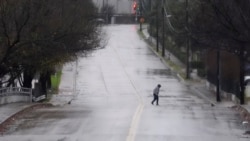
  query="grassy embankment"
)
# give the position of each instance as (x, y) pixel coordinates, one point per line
(55, 81)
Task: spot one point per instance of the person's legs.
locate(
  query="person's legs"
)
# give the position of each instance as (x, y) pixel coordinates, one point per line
(155, 98)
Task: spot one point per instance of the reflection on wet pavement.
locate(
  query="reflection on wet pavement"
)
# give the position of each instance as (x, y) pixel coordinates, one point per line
(113, 102)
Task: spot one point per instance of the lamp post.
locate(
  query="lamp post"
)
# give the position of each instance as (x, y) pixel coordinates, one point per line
(163, 28)
(157, 26)
(117, 6)
(151, 19)
(187, 43)
(103, 3)
(242, 58)
(140, 15)
(218, 99)
(107, 11)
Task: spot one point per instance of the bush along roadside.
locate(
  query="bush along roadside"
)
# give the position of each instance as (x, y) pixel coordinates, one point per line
(55, 81)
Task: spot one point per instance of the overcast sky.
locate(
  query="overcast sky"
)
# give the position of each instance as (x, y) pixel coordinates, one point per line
(121, 6)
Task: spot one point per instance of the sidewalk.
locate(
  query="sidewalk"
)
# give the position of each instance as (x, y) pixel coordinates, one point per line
(199, 86)
(12, 111)
(8, 110)
(67, 87)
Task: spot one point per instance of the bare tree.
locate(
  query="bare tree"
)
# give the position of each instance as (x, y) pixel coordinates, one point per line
(223, 25)
(37, 35)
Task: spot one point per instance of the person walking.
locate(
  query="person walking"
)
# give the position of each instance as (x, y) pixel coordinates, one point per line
(156, 94)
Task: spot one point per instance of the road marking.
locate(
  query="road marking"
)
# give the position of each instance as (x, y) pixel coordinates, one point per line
(136, 118)
(134, 123)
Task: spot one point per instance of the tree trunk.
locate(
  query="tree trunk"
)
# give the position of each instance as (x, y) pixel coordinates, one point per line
(242, 75)
(48, 74)
(218, 98)
(11, 82)
(43, 82)
(27, 78)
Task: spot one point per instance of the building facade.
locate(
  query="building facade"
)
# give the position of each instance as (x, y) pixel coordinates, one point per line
(120, 6)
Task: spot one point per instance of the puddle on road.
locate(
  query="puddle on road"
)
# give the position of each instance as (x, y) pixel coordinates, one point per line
(157, 72)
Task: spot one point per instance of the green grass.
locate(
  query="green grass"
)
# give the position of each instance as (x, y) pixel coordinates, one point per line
(55, 81)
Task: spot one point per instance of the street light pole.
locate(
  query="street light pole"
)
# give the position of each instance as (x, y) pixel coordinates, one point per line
(107, 11)
(187, 43)
(103, 4)
(117, 6)
(218, 99)
(151, 19)
(242, 73)
(157, 26)
(140, 9)
(163, 28)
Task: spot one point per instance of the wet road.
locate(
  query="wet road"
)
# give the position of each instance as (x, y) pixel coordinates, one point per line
(114, 91)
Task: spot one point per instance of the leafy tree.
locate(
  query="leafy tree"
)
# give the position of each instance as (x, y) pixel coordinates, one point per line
(37, 35)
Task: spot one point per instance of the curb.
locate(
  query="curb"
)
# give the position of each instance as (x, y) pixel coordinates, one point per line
(150, 45)
(203, 96)
(164, 61)
(10, 120)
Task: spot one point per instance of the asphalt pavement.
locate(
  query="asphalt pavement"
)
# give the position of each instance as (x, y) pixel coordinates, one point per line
(8, 110)
(68, 92)
(197, 84)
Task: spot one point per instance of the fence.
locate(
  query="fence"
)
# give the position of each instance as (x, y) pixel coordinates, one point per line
(15, 94)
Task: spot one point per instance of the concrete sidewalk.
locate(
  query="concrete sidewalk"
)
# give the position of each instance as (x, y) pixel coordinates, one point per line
(8, 110)
(67, 87)
(9, 113)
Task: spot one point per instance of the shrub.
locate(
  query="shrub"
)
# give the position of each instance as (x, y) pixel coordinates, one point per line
(197, 64)
(201, 72)
(55, 81)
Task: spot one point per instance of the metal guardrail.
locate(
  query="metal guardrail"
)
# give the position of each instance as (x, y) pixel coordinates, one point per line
(16, 91)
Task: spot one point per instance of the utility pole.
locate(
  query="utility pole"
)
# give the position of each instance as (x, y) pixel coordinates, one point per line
(102, 9)
(163, 28)
(242, 74)
(151, 19)
(107, 11)
(150, 4)
(103, 4)
(140, 9)
(157, 26)
(116, 6)
(218, 99)
(187, 43)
